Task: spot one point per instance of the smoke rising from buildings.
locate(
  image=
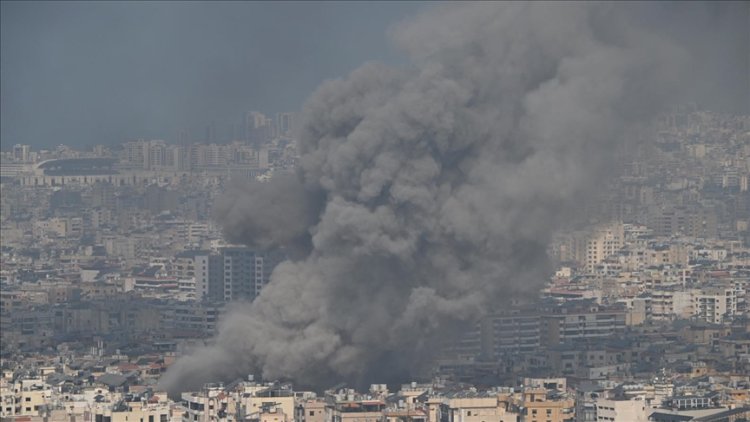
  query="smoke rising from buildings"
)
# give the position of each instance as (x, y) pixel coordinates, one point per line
(426, 194)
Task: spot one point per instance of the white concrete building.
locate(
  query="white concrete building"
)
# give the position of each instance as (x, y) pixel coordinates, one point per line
(622, 410)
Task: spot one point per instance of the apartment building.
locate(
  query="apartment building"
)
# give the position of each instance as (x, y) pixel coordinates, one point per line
(715, 305)
(608, 410)
(541, 405)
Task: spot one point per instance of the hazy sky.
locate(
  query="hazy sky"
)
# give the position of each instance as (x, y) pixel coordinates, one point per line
(82, 73)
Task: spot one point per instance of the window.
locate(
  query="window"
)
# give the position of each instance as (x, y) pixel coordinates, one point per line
(28, 398)
(312, 413)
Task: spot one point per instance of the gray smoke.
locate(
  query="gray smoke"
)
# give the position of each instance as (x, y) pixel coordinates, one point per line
(269, 215)
(427, 194)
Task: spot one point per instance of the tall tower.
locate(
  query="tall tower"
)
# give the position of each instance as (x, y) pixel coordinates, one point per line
(21, 153)
(257, 127)
(246, 272)
(285, 124)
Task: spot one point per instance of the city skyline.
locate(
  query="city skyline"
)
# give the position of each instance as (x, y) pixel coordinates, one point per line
(523, 212)
(109, 273)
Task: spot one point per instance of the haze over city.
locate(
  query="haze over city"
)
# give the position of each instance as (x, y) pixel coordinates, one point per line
(375, 212)
(106, 72)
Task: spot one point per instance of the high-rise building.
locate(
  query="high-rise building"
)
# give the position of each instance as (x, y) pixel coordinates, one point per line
(145, 154)
(715, 304)
(285, 124)
(100, 151)
(174, 157)
(197, 155)
(21, 153)
(589, 248)
(576, 322)
(103, 195)
(242, 273)
(693, 221)
(183, 141)
(209, 276)
(157, 151)
(235, 273)
(510, 331)
(135, 153)
(605, 241)
(257, 127)
(215, 155)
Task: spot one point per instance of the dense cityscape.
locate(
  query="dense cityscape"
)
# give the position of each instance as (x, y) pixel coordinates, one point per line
(112, 268)
(325, 211)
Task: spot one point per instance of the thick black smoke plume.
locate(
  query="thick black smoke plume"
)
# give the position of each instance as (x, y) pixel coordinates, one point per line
(426, 194)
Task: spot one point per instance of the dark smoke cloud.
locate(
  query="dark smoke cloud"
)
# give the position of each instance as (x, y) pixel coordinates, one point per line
(441, 183)
(271, 215)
